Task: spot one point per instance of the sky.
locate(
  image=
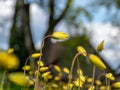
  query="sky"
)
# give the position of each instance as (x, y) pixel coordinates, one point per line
(97, 30)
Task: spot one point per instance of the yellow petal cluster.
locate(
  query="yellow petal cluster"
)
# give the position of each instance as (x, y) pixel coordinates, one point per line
(81, 50)
(18, 78)
(97, 61)
(59, 35)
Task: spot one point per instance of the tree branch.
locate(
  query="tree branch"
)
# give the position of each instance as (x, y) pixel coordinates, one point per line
(68, 3)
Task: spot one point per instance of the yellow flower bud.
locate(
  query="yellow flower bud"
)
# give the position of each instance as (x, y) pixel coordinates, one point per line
(57, 78)
(100, 46)
(30, 82)
(57, 68)
(36, 55)
(98, 82)
(81, 50)
(110, 76)
(89, 80)
(66, 70)
(10, 51)
(46, 74)
(97, 61)
(50, 76)
(42, 69)
(91, 88)
(116, 85)
(40, 63)
(103, 87)
(18, 78)
(27, 68)
(54, 85)
(59, 35)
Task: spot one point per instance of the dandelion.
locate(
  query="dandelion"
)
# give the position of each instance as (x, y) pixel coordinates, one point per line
(18, 78)
(81, 50)
(59, 35)
(97, 61)
(36, 55)
(100, 46)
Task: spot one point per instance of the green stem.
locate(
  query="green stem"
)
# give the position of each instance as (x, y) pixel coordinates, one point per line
(3, 79)
(93, 75)
(78, 73)
(71, 69)
(38, 74)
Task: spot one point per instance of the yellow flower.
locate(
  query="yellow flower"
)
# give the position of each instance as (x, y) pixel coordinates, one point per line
(40, 63)
(66, 70)
(57, 78)
(116, 85)
(81, 50)
(98, 82)
(50, 76)
(36, 55)
(27, 68)
(18, 78)
(89, 80)
(80, 81)
(54, 85)
(57, 68)
(110, 76)
(10, 51)
(91, 88)
(103, 87)
(97, 61)
(9, 61)
(46, 74)
(42, 69)
(100, 46)
(59, 35)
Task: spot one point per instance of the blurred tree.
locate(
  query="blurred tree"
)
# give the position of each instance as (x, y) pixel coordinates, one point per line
(20, 34)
